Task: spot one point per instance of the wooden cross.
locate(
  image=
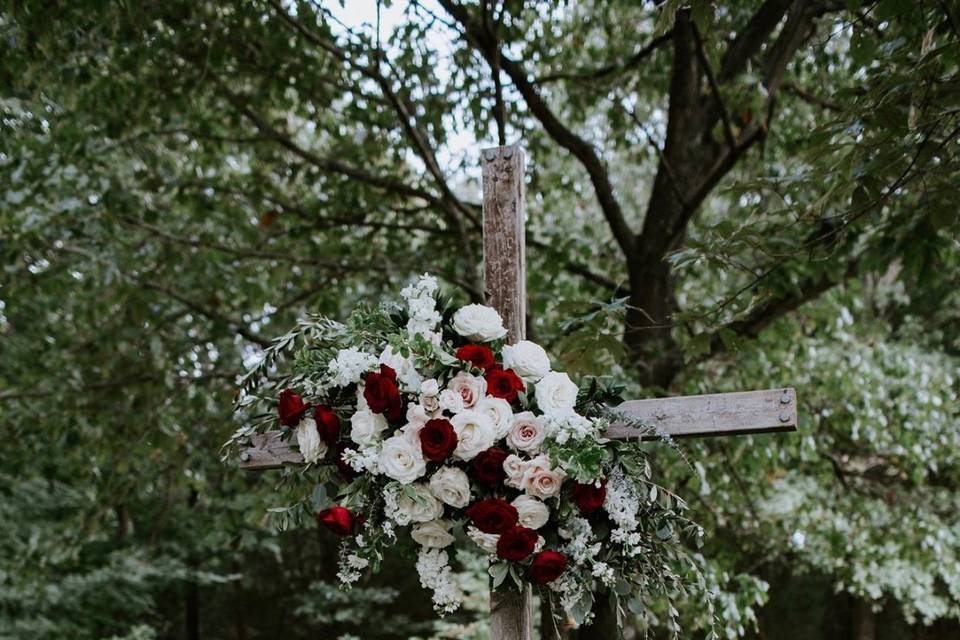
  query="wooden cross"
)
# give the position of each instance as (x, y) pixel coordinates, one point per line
(504, 262)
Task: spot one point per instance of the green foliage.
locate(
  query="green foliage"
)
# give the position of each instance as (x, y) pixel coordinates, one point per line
(154, 236)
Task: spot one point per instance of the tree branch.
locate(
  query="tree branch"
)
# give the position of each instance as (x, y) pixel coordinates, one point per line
(484, 42)
(600, 73)
(210, 314)
(749, 41)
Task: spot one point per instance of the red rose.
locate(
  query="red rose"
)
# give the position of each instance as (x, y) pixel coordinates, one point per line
(547, 566)
(504, 383)
(291, 408)
(589, 497)
(478, 355)
(328, 424)
(382, 394)
(347, 472)
(516, 543)
(437, 439)
(488, 467)
(338, 519)
(492, 515)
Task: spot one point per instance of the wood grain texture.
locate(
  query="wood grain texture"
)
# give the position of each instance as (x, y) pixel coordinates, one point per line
(511, 615)
(504, 246)
(505, 288)
(718, 414)
(269, 451)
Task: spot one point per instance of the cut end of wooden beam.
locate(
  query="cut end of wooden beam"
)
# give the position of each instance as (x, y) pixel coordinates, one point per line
(720, 414)
(269, 451)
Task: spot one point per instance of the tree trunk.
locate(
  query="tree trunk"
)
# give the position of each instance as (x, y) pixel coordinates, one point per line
(864, 622)
(192, 595)
(604, 625)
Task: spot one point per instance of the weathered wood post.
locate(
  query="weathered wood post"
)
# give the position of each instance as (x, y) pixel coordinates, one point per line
(505, 288)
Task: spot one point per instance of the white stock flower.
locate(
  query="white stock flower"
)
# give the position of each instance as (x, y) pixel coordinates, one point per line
(308, 440)
(532, 513)
(499, 412)
(451, 486)
(556, 393)
(527, 432)
(540, 479)
(348, 366)
(401, 460)
(469, 387)
(527, 359)
(475, 433)
(478, 322)
(514, 467)
(451, 401)
(366, 427)
(435, 534)
(486, 541)
(413, 503)
(422, 306)
(406, 371)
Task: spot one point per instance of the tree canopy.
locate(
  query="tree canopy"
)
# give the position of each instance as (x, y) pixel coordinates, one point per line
(721, 196)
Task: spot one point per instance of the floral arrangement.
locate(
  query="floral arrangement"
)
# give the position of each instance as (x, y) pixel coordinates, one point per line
(422, 428)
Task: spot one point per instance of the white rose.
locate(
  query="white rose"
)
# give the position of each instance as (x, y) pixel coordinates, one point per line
(361, 401)
(527, 432)
(527, 359)
(486, 541)
(312, 448)
(451, 486)
(532, 513)
(406, 372)
(475, 433)
(411, 431)
(430, 395)
(450, 401)
(514, 467)
(479, 323)
(556, 393)
(469, 387)
(416, 505)
(499, 412)
(540, 480)
(417, 413)
(400, 460)
(435, 533)
(366, 427)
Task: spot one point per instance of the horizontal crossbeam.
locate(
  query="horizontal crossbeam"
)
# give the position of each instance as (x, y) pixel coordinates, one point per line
(716, 414)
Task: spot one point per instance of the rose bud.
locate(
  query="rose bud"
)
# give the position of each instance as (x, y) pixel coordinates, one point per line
(547, 566)
(589, 497)
(382, 394)
(492, 515)
(480, 356)
(488, 467)
(437, 439)
(291, 408)
(347, 472)
(504, 383)
(328, 424)
(338, 519)
(516, 543)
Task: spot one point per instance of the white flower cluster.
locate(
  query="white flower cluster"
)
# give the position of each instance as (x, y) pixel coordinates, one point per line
(422, 306)
(351, 566)
(434, 570)
(564, 427)
(622, 504)
(348, 367)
